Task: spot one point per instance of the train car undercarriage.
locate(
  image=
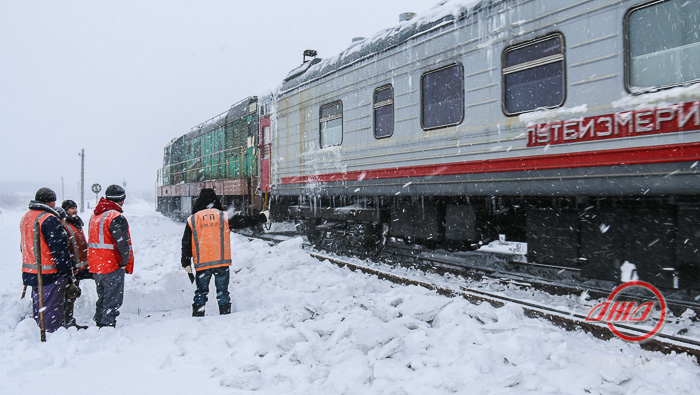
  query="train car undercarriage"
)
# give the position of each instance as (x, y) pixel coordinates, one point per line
(658, 235)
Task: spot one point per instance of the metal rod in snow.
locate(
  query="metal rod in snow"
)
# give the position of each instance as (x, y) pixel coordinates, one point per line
(37, 260)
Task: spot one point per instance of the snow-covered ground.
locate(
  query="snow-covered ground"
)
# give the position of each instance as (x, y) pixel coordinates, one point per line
(301, 326)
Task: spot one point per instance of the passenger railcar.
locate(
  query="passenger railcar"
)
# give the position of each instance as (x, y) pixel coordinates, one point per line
(572, 125)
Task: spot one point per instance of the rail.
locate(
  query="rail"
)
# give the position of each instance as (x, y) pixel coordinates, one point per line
(569, 321)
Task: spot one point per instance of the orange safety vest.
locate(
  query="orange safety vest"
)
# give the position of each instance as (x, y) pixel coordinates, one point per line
(211, 244)
(78, 246)
(103, 256)
(48, 264)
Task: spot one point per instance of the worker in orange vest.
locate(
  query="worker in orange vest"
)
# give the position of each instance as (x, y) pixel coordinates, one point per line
(206, 241)
(57, 265)
(78, 248)
(109, 254)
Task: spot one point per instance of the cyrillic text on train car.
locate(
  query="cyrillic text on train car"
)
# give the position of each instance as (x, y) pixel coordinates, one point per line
(662, 119)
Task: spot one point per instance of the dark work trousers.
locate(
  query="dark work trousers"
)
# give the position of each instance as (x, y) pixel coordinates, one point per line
(221, 278)
(110, 295)
(54, 294)
(68, 307)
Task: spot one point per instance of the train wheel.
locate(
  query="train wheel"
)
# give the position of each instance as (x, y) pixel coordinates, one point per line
(315, 236)
(376, 240)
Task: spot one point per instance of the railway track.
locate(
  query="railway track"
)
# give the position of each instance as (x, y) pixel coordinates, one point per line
(508, 272)
(565, 319)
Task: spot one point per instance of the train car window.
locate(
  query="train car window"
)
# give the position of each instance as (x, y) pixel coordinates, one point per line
(442, 97)
(266, 135)
(533, 75)
(383, 111)
(331, 124)
(663, 45)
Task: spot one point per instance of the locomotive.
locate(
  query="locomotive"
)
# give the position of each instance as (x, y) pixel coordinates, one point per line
(573, 126)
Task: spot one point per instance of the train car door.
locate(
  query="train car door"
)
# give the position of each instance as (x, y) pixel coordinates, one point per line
(265, 147)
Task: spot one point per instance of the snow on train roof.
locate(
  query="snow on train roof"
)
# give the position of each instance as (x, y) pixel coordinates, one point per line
(238, 110)
(443, 13)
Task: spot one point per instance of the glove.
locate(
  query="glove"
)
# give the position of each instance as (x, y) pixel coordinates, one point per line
(185, 262)
(61, 212)
(264, 216)
(73, 291)
(188, 269)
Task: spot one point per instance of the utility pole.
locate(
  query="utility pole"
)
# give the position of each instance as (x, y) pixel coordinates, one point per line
(82, 180)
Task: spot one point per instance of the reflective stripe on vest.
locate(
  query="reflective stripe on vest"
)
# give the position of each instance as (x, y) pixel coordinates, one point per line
(32, 267)
(195, 238)
(44, 268)
(101, 238)
(221, 237)
(223, 259)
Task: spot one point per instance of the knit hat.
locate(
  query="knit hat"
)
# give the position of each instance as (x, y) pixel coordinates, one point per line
(45, 195)
(115, 193)
(207, 199)
(68, 204)
(207, 194)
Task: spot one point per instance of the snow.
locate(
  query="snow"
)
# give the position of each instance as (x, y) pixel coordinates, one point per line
(660, 98)
(505, 247)
(628, 272)
(533, 117)
(440, 10)
(302, 326)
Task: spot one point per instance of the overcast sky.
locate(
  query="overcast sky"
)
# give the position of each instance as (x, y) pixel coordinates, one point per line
(122, 78)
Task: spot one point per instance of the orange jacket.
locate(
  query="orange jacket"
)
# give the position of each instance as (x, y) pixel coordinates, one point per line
(78, 246)
(48, 264)
(211, 243)
(103, 255)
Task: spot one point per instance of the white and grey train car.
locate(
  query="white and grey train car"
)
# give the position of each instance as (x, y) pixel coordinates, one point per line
(573, 125)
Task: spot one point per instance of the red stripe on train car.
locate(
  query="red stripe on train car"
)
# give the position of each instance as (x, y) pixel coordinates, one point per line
(626, 156)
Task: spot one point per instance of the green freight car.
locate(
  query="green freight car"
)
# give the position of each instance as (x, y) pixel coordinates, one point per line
(221, 153)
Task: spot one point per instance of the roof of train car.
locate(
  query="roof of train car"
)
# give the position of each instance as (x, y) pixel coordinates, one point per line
(443, 14)
(238, 110)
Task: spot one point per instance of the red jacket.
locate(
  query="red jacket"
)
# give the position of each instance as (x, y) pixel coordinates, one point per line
(109, 240)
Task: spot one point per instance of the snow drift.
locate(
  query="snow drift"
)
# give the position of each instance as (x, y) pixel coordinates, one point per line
(301, 326)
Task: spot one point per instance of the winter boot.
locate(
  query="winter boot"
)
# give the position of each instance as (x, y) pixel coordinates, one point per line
(73, 324)
(68, 319)
(197, 310)
(224, 309)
